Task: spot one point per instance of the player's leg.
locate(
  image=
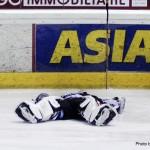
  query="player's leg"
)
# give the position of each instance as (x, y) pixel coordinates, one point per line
(43, 108)
(95, 113)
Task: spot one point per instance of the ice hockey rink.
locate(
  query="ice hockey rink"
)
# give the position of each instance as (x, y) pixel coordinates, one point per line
(130, 131)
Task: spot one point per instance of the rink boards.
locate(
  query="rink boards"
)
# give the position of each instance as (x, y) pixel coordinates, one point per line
(75, 80)
(91, 47)
(41, 57)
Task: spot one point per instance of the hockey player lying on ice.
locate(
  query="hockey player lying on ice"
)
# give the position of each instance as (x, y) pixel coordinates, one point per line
(94, 110)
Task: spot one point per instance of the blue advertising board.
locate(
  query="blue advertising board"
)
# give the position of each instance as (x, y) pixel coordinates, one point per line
(91, 47)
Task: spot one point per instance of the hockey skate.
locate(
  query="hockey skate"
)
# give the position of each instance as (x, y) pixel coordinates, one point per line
(121, 101)
(24, 112)
(103, 115)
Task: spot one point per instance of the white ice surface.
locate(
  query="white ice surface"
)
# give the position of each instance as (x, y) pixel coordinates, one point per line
(122, 134)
